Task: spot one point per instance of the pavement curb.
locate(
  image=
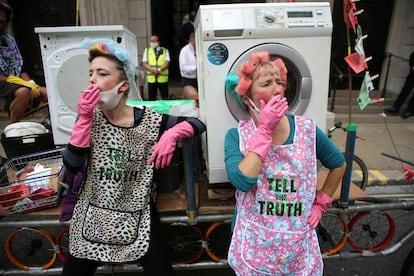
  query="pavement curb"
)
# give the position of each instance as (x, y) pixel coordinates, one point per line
(386, 177)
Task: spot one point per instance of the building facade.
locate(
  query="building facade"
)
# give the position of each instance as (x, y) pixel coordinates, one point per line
(137, 16)
(390, 45)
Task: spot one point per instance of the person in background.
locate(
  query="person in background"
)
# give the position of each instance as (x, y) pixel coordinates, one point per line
(16, 87)
(199, 165)
(141, 80)
(155, 61)
(271, 160)
(190, 93)
(188, 63)
(187, 28)
(404, 95)
(114, 218)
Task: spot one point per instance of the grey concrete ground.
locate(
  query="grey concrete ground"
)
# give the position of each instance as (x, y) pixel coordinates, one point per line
(396, 139)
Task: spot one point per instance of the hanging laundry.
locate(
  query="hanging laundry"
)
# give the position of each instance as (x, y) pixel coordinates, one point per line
(359, 45)
(350, 18)
(356, 62)
(366, 87)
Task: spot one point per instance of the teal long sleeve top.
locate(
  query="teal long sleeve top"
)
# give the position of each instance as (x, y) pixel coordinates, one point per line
(326, 152)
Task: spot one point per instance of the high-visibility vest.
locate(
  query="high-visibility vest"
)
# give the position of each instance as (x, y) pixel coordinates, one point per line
(156, 63)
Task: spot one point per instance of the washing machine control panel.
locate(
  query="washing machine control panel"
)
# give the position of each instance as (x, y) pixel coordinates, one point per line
(254, 21)
(294, 17)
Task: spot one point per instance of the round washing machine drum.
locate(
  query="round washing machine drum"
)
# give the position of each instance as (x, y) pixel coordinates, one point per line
(299, 87)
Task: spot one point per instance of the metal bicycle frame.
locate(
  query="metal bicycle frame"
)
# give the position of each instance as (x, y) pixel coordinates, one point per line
(370, 204)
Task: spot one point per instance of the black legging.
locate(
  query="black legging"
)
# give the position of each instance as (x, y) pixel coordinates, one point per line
(154, 262)
(405, 93)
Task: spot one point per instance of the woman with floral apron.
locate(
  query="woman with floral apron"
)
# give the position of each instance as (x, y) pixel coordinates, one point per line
(271, 160)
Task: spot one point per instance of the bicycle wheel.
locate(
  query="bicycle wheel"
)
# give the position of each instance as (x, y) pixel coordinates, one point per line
(359, 173)
(29, 248)
(332, 232)
(62, 241)
(184, 242)
(218, 238)
(371, 231)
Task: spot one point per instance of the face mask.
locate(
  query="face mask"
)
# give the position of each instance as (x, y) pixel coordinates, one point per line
(110, 98)
(154, 44)
(254, 108)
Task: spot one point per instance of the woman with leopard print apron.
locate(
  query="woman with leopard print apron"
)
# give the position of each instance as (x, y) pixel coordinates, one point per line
(115, 219)
(271, 160)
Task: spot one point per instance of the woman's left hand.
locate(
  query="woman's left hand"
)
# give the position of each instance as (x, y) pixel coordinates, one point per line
(163, 151)
(322, 202)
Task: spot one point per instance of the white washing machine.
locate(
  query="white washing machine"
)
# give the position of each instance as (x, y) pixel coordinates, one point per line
(66, 68)
(227, 34)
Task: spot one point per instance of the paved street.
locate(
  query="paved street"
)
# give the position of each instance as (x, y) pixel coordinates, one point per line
(378, 139)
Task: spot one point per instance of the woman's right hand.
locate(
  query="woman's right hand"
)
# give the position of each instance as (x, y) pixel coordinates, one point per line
(272, 112)
(87, 101)
(81, 131)
(269, 117)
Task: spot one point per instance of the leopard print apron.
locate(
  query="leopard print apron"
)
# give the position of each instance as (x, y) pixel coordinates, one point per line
(111, 219)
(271, 234)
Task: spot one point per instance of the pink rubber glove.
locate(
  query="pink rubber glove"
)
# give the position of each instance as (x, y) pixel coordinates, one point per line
(269, 117)
(408, 173)
(163, 151)
(81, 132)
(321, 203)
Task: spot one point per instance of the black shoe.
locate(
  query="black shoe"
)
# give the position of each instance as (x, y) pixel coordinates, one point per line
(392, 111)
(407, 114)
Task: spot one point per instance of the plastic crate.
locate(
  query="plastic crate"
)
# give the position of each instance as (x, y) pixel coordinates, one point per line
(17, 146)
(30, 182)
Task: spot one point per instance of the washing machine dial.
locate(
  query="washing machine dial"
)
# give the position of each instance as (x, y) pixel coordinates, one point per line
(269, 17)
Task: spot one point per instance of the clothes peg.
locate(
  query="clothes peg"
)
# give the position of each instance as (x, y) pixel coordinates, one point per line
(359, 12)
(373, 77)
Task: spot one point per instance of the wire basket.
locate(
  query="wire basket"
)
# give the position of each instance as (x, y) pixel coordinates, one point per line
(30, 182)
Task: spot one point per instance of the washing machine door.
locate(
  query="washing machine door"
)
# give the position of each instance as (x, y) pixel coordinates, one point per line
(67, 73)
(72, 77)
(299, 86)
(67, 69)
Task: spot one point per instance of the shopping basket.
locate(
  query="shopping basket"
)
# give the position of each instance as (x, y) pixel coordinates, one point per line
(30, 182)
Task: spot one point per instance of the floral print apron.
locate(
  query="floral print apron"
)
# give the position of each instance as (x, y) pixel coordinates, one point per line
(11, 62)
(271, 234)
